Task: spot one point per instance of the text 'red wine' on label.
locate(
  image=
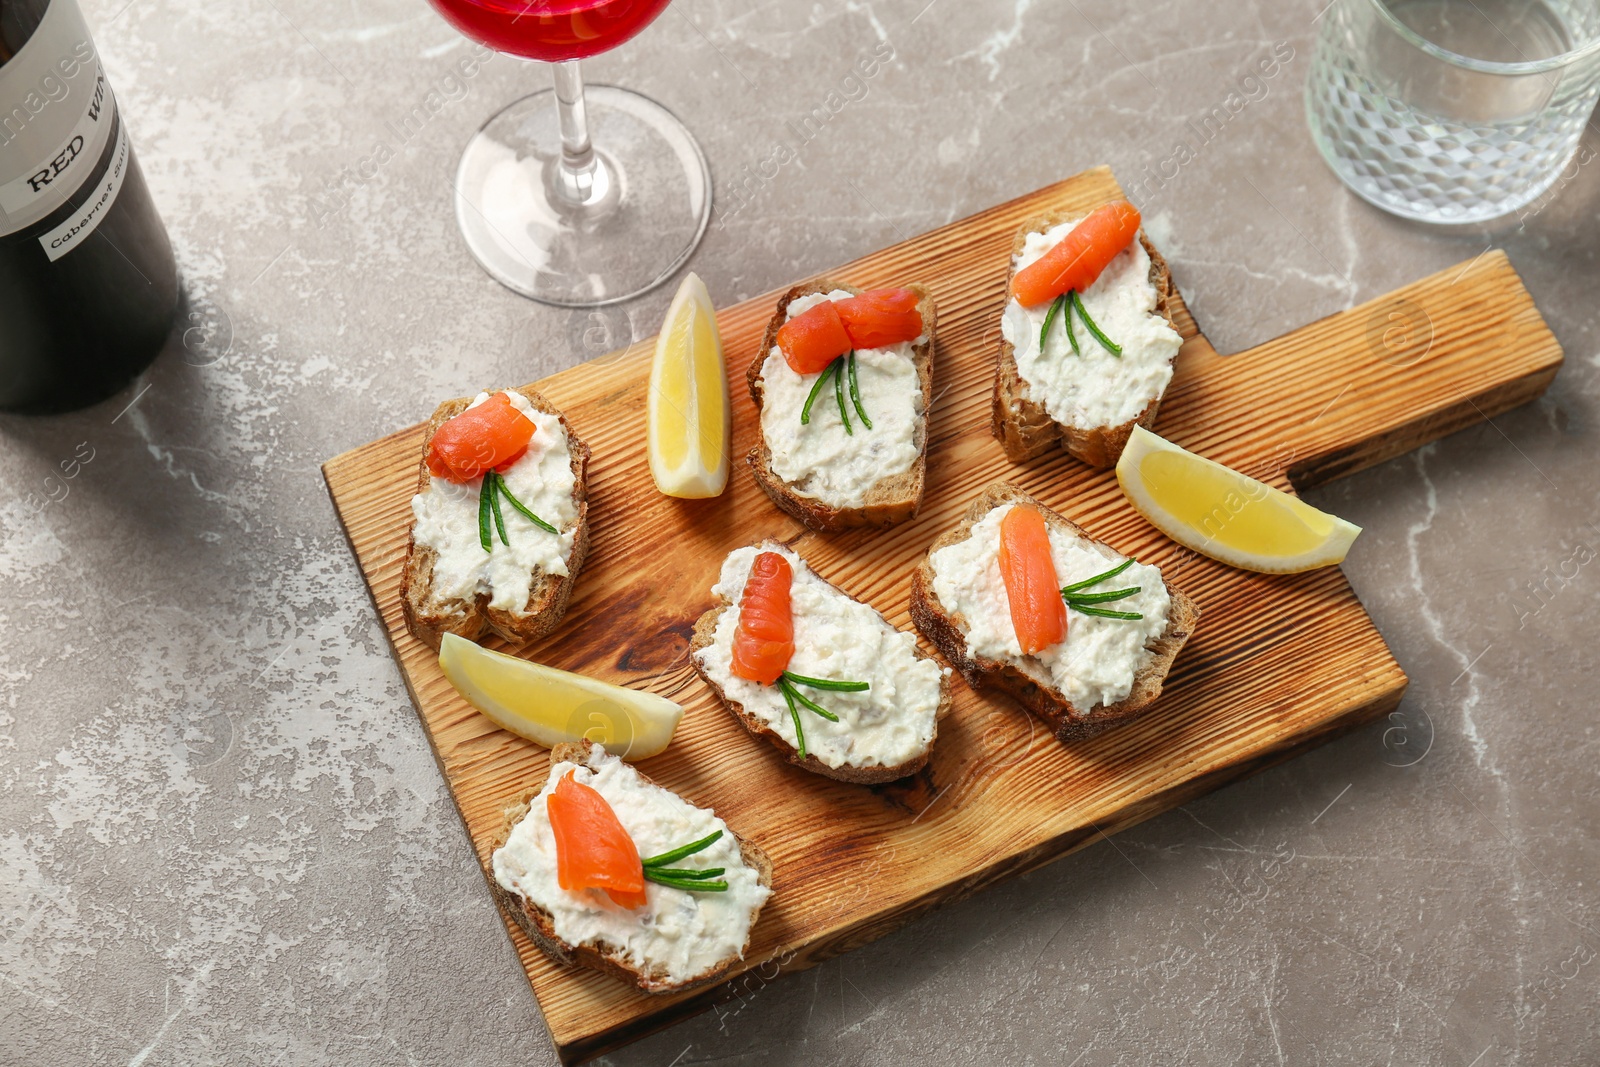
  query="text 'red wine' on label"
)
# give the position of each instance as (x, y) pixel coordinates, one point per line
(81, 223)
(56, 115)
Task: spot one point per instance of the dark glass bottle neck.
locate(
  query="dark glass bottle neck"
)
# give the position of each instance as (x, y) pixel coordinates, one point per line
(18, 20)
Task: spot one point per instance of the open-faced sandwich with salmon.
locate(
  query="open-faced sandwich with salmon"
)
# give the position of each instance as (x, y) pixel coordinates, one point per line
(1087, 339)
(1020, 598)
(500, 519)
(843, 383)
(606, 869)
(822, 676)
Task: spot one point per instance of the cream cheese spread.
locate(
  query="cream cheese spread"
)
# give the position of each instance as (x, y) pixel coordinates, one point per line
(1094, 389)
(839, 638)
(681, 934)
(819, 459)
(447, 521)
(1097, 662)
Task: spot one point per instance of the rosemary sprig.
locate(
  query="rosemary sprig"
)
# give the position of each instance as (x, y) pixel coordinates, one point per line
(1086, 603)
(855, 392)
(816, 387)
(491, 518)
(500, 487)
(686, 878)
(838, 394)
(684, 850)
(1083, 313)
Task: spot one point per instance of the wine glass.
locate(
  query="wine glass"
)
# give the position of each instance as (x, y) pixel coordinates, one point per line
(549, 212)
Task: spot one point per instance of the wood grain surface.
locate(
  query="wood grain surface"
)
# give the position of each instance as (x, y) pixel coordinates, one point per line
(1278, 664)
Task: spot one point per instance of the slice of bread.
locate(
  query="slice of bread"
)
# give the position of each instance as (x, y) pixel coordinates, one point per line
(705, 630)
(536, 922)
(430, 615)
(1023, 426)
(895, 497)
(947, 631)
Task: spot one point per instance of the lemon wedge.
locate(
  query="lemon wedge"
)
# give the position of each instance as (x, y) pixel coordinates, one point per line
(1223, 514)
(688, 418)
(549, 706)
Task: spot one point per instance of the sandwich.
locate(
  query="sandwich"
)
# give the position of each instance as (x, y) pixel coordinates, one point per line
(1019, 598)
(823, 677)
(842, 384)
(500, 520)
(1086, 337)
(605, 869)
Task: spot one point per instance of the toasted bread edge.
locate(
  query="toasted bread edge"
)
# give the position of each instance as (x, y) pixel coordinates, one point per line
(429, 617)
(1022, 425)
(947, 632)
(894, 498)
(705, 629)
(608, 959)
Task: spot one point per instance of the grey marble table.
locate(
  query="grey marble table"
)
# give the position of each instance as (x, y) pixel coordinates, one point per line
(222, 836)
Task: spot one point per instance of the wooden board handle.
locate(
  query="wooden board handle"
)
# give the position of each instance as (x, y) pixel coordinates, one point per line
(1368, 384)
(1280, 662)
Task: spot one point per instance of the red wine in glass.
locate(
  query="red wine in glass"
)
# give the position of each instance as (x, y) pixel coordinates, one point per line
(553, 31)
(576, 196)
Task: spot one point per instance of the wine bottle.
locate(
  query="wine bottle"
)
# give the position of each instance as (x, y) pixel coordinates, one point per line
(88, 286)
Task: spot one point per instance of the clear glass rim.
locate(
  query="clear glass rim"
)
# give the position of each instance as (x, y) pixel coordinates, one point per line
(1482, 66)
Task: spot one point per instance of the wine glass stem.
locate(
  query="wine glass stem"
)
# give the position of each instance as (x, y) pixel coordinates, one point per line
(575, 176)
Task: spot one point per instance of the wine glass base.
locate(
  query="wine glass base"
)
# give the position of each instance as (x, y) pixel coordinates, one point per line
(649, 208)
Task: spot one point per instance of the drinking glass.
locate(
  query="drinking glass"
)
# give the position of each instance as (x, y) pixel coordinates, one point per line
(1453, 111)
(576, 197)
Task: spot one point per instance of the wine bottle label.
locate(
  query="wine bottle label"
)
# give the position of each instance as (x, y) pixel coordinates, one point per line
(82, 222)
(56, 115)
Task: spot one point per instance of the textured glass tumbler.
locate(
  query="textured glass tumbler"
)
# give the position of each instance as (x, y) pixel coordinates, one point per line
(1453, 111)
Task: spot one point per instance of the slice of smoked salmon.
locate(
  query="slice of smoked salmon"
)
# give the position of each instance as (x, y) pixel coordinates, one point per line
(593, 851)
(1079, 257)
(881, 317)
(814, 338)
(763, 642)
(1038, 614)
(493, 434)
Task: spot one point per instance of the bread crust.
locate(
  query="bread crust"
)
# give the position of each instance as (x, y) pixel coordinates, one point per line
(1022, 425)
(608, 959)
(429, 616)
(894, 498)
(947, 632)
(705, 630)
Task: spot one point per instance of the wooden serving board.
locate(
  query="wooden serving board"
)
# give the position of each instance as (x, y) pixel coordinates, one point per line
(1278, 664)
